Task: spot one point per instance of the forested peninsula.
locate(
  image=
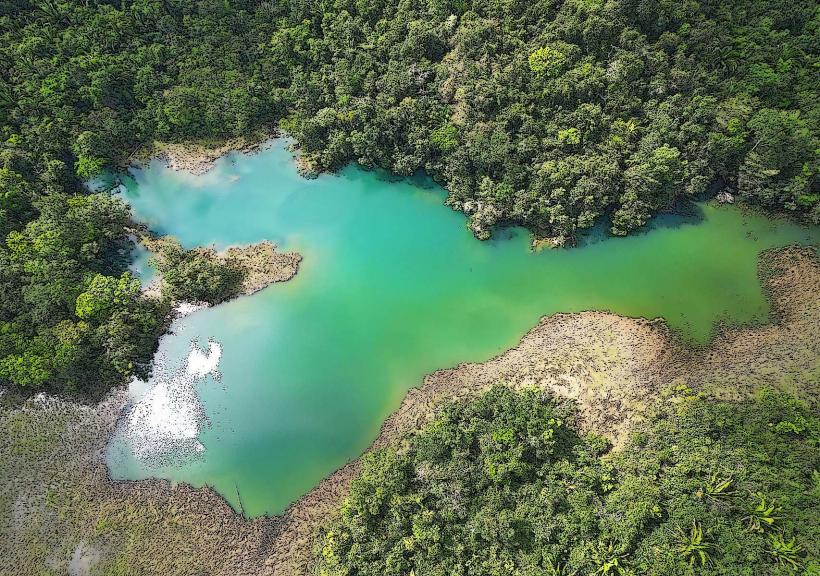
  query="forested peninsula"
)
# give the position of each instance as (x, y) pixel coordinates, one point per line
(554, 115)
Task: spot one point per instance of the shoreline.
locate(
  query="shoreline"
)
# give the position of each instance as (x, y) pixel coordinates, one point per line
(199, 157)
(608, 365)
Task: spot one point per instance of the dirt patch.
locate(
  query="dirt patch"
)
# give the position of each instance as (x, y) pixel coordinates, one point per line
(263, 265)
(84, 560)
(615, 369)
(198, 157)
(306, 166)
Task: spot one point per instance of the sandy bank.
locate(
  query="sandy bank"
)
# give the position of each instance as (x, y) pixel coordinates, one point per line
(55, 496)
(199, 157)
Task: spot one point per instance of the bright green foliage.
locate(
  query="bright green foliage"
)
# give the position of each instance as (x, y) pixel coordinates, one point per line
(693, 547)
(567, 505)
(610, 561)
(105, 293)
(762, 517)
(26, 369)
(88, 167)
(569, 136)
(548, 60)
(717, 489)
(788, 554)
(444, 138)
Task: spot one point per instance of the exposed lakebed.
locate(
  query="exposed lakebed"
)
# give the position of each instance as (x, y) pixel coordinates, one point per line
(287, 385)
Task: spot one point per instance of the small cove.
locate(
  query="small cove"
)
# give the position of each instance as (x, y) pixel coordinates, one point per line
(392, 286)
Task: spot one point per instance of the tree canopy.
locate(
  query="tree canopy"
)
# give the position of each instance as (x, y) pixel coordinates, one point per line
(504, 484)
(551, 114)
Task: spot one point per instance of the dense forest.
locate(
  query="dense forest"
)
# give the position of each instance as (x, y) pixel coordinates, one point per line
(550, 114)
(504, 484)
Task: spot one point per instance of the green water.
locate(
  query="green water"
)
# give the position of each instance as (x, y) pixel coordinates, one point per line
(393, 286)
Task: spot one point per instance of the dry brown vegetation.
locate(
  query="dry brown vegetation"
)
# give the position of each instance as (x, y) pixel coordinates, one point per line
(197, 157)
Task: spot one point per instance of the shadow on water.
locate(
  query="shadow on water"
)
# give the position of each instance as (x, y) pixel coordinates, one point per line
(419, 178)
(683, 213)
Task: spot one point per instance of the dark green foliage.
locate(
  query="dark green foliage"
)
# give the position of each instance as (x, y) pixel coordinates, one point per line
(551, 114)
(196, 275)
(71, 319)
(505, 485)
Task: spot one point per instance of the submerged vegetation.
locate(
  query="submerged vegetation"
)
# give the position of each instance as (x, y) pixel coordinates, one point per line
(504, 484)
(548, 114)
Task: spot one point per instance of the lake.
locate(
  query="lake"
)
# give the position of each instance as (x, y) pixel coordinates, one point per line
(283, 387)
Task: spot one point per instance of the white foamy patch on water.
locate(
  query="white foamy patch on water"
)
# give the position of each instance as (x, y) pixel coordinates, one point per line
(167, 417)
(202, 363)
(187, 308)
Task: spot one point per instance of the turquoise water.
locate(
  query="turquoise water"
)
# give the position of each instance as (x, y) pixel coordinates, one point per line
(393, 286)
(141, 265)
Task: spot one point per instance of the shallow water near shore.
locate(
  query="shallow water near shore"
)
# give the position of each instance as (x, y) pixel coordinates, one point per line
(392, 286)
